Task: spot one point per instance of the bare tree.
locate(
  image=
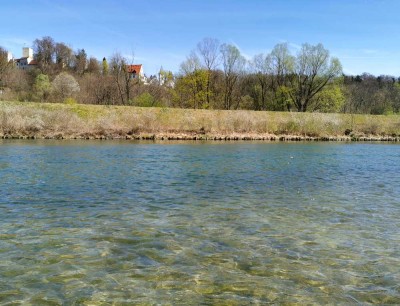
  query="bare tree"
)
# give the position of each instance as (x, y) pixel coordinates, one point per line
(80, 61)
(313, 70)
(233, 64)
(93, 66)
(208, 49)
(282, 68)
(64, 56)
(98, 89)
(44, 50)
(4, 65)
(122, 77)
(261, 66)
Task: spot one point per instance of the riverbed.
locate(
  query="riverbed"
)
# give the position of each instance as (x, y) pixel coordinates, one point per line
(188, 223)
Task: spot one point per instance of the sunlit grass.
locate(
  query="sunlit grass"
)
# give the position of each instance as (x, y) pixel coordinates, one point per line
(81, 120)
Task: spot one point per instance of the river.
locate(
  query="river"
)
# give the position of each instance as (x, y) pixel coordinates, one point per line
(244, 223)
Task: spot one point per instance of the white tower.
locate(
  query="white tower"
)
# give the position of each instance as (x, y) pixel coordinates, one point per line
(9, 56)
(27, 52)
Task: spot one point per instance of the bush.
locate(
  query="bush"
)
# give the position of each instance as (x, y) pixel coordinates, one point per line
(145, 100)
(70, 101)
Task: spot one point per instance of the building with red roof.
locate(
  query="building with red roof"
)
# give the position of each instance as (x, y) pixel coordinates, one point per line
(136, 72)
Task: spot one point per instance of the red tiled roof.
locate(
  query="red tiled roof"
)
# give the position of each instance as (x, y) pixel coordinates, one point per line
(134, 68)
(33, 62)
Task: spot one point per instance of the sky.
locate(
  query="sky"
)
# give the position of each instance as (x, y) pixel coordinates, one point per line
(363, 34)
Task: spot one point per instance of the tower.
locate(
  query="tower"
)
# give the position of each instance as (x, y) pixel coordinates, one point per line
(27, 52)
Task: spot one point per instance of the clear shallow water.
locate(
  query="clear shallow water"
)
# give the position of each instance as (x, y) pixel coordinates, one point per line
(96, 223)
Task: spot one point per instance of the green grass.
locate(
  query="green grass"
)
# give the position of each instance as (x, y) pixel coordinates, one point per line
(79, 120)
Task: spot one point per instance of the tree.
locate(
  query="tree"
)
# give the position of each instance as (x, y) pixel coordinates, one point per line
(65, 86)
(261, 67)
(41, 87)
(190, 89)
(121, 75)
(314, 69)
(282, 68)
(17, 80)
(191, 85)
(105, 66)
(64, 56)
(330, 99)
(233, 65)
(80, 61)
(165, 78)
(98, 89)
(44, 50)
(5, 65)
(93, 66)
(208, 49)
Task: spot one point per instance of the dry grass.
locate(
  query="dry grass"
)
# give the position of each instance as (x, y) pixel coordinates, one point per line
(92, 121)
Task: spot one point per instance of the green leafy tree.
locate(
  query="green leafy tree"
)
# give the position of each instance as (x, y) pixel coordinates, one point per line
(191, 87)
(282, 99)
(191, 90)
(165, 78)
(329, 100)
(41, 87)
(105, 66)
(145, 100)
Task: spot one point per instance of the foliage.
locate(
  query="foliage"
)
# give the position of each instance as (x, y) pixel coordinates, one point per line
(213, 76)
(145, 100)
(70, 101)
(313, 70)
(191, 89)
(65, 86)
(330, 100)
(105, 67)
(41, 88)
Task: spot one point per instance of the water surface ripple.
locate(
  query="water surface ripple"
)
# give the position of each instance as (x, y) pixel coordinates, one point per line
(96, 223)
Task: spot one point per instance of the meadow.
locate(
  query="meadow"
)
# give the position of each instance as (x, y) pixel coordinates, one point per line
(82, 121)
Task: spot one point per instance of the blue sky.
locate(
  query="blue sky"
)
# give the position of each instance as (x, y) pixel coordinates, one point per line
(363, 34)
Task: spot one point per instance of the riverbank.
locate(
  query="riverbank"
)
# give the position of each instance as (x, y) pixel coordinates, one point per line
(28, 120)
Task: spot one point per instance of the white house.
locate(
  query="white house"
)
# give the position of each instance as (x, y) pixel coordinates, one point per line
(26, 61)
(136, 72)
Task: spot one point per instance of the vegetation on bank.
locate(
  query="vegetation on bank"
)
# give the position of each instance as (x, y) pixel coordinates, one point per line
(71, 120)
(213, 76)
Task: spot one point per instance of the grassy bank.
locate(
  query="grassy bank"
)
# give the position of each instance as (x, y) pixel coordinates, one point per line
(45, 120)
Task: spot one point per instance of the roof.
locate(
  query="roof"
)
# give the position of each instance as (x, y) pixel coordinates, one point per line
(134, 68)
(33, 62)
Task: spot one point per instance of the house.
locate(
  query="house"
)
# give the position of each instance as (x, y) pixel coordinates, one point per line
(26, 61)
(136, 72)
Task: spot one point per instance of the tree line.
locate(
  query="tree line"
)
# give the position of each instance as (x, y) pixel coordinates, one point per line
(213, 76)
